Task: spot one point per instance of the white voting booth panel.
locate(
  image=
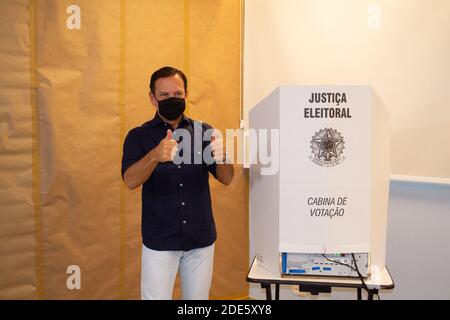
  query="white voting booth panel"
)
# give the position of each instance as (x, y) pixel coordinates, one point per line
(330, 194)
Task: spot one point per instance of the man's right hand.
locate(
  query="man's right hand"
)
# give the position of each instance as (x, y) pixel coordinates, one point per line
(167, 148)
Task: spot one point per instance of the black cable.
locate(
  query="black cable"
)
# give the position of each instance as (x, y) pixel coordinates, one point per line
(359, 274)
(337, 262)
(352, 268)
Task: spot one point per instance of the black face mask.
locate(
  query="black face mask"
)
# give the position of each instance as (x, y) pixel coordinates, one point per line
(171, 108)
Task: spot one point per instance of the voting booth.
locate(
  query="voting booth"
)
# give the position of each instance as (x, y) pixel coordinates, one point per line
(324, 209)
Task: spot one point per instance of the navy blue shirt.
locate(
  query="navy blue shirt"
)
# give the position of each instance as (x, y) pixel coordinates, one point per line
(176, 200)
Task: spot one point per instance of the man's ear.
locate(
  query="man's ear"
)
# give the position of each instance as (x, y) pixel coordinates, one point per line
(153, 99)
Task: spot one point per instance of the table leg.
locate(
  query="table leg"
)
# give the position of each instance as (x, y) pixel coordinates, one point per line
(359, 294)
(371, 293)
(268, 288)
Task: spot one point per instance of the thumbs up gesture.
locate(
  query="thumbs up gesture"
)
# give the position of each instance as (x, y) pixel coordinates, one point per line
(167, 148)
(217, 147)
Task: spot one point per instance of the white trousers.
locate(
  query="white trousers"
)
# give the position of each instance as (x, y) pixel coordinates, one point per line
(159, 270)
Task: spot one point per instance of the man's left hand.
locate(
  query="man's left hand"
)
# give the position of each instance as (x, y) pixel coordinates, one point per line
(217, 148)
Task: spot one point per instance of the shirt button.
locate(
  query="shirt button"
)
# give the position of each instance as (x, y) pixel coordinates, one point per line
(183, 203)
(179, 167)
(184, 221)
(181, 184)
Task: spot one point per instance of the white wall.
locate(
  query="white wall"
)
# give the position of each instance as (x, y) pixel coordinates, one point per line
(418, 246)
(400, 48)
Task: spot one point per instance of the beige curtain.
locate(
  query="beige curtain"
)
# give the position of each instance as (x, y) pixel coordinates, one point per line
(74, 80)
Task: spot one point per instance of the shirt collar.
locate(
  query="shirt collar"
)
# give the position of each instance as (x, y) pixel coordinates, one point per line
(157, 120)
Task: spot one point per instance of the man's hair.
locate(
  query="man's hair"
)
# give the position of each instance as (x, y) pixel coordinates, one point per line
(165, 72)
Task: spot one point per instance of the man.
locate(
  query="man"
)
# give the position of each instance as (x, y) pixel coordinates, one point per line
(178, 228)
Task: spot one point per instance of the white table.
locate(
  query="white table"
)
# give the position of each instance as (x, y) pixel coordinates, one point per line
(316, 284)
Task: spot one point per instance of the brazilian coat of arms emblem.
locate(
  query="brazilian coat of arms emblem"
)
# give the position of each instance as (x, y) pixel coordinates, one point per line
(327, 148)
